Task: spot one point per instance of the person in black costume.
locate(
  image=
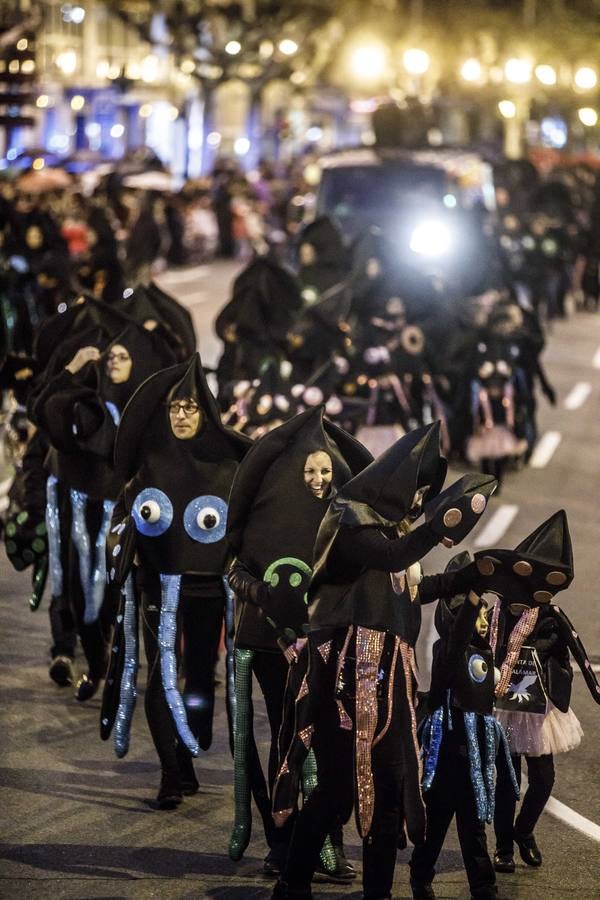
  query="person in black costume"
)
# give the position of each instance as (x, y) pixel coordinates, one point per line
(531, 638)
(278, 499)
(460, 740)
(356, 704)
(170, 519)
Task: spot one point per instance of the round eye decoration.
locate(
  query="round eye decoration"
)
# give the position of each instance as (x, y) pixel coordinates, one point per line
(152, 512)
(205, 519)
(477, 667)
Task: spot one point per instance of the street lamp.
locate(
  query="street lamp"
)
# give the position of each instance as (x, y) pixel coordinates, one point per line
(545, 74)
(288, 47)
(508, 109)
(471, 70)
(517, 71)
(149, 68)
(233, 48)
(77, 102)
(588, 116)
(368, 61)
(585, 78)
(416, 62)
(67, 62)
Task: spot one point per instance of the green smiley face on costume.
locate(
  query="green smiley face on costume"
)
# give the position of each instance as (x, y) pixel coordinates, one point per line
(288, 571)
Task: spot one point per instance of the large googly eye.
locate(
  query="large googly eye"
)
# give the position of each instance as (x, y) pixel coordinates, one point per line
(152, 512)
(477, 668)
(205, 519)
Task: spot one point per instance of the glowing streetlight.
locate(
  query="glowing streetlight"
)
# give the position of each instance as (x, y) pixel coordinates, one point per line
(149, 68)
(588, 116)
(241, 146)
(507, 108)
(368, 62)
(585, 78)
(145, 111)
(67, 62)
(233, 48)
(38, 164)
(213, 139)
(42, 101)
(471, 70)
(173, 113)
(22, 44)
(28, 66)
(288, 47)
(77, 102)
(117, 131)
(546, 75)
(188, 66)
(298, 77)
(517, 71)
(416, 62)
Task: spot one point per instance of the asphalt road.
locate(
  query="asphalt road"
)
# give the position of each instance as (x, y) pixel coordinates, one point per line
(77, 823)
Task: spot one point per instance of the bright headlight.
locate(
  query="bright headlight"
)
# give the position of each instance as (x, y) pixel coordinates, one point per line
(431, 239)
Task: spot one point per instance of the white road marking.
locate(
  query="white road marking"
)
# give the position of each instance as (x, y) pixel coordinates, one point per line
(496, 526)
(573, 819)
(596, 359)
(182, 276)
(544, 449)
(578, 395)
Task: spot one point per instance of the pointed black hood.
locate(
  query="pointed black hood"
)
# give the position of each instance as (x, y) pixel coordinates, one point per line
(326, 238)
(536, 570)
(274, 517)
(384, 491)
(148, 354)
(446, 608)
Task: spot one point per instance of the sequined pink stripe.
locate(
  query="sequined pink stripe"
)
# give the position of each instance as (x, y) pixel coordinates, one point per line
(518, 635)
(408, 664)
(342, 654)
(369, 646)
(390, 699)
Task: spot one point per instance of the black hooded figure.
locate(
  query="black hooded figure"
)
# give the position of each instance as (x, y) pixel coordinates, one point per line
(171, 518)
(322, 257)
(278, 499)
(79, 411)
(355, 703)
(462, 743)
(531, 638)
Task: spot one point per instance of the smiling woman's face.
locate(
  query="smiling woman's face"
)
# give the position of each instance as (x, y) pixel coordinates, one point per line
(318, 472)
(185, 417)
(118, 364)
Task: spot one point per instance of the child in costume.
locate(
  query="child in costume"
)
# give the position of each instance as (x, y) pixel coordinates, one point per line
(278, 499)
(355, 703)
(531, 638)
(460, 742)
(170, 521)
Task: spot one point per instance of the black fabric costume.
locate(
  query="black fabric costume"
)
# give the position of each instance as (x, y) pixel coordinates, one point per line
(171, 517)
(355, 702)
(273, 522)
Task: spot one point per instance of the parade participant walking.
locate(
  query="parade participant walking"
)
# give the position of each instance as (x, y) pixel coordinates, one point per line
(169, 525)
(460, 742)
(356, 705)
(278, 499)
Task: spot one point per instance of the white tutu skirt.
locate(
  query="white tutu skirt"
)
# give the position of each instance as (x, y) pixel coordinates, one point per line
(535, 734)
(494, 443)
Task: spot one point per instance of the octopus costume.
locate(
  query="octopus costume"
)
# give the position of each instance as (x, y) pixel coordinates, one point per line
(531, 638)
(170, 519)
(278, 499)
(355, 702)
(462, 743)
(80, 414)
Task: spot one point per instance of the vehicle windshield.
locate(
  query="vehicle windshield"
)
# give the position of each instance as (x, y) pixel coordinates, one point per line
(360, 196)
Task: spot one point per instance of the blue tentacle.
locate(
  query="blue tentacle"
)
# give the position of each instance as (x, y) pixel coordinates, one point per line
(128, 691)
(477, 779)
(81, 539)
(167, 633)
(98, 575)
(432, 733)
(54, 543)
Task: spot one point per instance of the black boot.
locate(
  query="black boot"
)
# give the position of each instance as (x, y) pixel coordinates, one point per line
(86, 688)
(422, 891)
(504, 862)
(283, 891)
(529, 850)
(169, 793)
(61, 671)
(187, 776)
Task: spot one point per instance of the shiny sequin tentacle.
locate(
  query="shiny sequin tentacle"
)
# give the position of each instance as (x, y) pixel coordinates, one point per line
(81, 539)
(98, 575)
(309, 783)
(502, 743)
(433, 730)
(167, 634)
(54, 544)
(369, 647)
(128, 691)
(477, 778)
(230, 661)
(489, 762)
(242, 825)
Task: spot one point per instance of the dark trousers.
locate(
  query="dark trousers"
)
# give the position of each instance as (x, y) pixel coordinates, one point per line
(332, 801)
(540, 772)
(199, 628)
(451, 794)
